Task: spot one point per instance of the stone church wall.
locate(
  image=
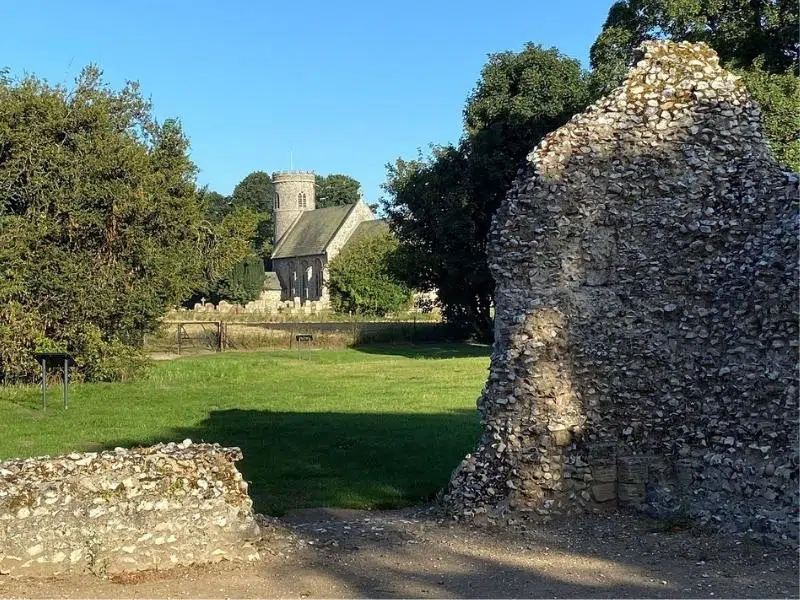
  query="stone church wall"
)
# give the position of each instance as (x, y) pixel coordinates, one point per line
(646, 339)
(124, 510)
(360, 213)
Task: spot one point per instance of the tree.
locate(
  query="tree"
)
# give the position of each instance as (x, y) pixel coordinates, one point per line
(441, 206)
(243, 284)
(755, 38)
(217, 205)
(335, 190)
(254, 192)
(363, 279)
(102, 228)
(435, 217)
(778, 94)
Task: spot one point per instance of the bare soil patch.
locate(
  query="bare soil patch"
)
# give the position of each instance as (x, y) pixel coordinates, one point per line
(336, 553)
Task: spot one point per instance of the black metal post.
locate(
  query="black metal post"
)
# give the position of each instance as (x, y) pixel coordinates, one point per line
(44, 384)
(66, 382)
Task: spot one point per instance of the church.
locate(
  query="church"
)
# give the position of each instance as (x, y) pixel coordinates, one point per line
(307, 238)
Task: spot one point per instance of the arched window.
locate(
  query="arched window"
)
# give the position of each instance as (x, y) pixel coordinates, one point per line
(301, 200)
(277, 201)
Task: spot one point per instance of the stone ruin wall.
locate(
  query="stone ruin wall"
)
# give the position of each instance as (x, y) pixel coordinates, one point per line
(124, 510)
(646, 337)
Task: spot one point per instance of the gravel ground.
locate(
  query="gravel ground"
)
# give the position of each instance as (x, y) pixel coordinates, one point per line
(335, 553)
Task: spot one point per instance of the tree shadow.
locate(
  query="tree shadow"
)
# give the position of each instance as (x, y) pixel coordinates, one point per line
(435, 351)
(593, 556)
(352, 460)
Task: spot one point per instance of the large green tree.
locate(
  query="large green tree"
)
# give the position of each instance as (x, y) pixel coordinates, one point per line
(216, 205)
(101, 225)
(255, 192)
(363, 277)
(335, 190)
(440, 206)
(756, 38)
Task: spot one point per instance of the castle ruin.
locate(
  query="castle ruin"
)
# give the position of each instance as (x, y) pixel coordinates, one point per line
(646, 337)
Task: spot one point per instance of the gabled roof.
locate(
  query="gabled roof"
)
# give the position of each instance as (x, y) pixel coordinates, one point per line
(313, 231)
(367, 229)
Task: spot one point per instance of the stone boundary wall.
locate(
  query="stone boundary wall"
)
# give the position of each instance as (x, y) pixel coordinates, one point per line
(124, 510)
(646, 331)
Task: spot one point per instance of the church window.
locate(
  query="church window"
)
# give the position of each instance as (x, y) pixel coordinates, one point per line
(301, 199)
(277, 201)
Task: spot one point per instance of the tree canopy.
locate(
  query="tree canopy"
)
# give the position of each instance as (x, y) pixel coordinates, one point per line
(363, 277)
(102, 228)
(756, 38)
(335, 190)
(440, 206)
(254, 192)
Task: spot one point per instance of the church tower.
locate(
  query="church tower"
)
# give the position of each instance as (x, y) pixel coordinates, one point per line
(294, 194)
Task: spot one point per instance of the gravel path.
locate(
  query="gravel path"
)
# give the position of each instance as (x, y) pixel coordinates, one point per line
(335, 553)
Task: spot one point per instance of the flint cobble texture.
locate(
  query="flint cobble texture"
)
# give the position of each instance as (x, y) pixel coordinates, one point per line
(646, 313)
(124, 510)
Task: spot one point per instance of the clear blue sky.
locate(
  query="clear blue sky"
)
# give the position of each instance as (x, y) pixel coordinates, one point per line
(344, 86)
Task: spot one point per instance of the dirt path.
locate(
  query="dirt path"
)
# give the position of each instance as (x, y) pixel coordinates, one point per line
(392, 554)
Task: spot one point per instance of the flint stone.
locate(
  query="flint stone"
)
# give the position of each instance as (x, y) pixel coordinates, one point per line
(603, 492)
(646, 266)
(95, 518)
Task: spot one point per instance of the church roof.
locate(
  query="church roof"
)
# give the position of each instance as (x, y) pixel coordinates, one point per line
(312, 232)
(367, 229)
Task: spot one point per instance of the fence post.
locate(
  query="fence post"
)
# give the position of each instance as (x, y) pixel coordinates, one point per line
(219, 336)
(178, 333)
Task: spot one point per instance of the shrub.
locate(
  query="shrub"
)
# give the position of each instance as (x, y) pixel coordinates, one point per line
(363, 280)
(241, 285)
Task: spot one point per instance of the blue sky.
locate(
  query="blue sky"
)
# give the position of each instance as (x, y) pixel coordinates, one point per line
(342, 87)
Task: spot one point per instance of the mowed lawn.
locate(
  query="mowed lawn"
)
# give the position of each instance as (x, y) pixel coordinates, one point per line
(367, 428)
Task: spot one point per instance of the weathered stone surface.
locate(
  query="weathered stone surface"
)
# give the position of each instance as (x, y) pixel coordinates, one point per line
(646, 303)
(124, 510)
(603, 492)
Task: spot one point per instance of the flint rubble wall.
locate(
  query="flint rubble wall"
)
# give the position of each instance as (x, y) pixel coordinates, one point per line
(646, 339)
(124, 510)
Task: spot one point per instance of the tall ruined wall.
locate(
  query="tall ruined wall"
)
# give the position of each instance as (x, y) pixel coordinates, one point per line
(646, 313)
(125, 510)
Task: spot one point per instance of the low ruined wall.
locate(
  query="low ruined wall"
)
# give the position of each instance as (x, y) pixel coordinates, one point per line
(646, 335)
(124, 510)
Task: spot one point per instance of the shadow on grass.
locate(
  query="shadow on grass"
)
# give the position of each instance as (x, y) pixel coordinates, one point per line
(455, 350)
(350, 460)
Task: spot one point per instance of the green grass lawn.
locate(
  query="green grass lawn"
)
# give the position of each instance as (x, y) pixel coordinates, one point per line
(366, 428)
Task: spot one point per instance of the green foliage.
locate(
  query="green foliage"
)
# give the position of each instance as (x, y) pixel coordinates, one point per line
(243, 284)
(362, 277)
(778, 94)
(254, 192)
(441, 206)
(757, 38)
(335, 190)
(217, 205)
(101, 225)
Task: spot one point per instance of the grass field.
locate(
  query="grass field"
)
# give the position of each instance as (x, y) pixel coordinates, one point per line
(368, 428)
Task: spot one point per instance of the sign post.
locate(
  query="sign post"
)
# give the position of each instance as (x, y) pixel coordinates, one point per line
(303, 337)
